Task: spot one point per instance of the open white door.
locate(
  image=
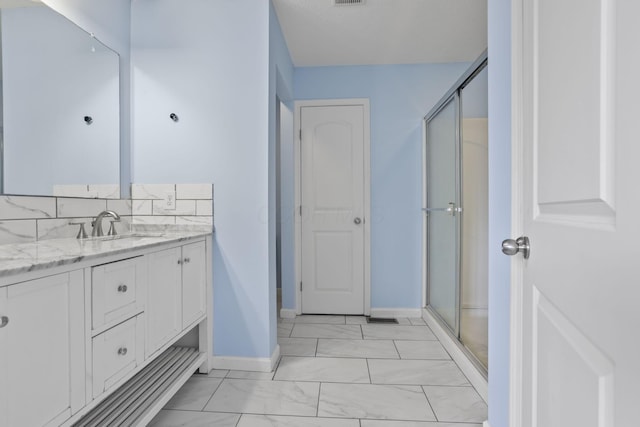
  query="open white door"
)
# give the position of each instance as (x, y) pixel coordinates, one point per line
(576, 353)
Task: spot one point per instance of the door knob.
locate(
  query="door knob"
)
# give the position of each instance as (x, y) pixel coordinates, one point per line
(357, 221)
(520, 245)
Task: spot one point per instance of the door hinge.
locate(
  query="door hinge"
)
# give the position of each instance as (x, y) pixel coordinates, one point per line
(300, 135)
(300, 286)
(300, 210)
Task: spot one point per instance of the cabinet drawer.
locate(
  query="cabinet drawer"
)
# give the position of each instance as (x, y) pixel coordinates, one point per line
(117, 352)
(116, 290)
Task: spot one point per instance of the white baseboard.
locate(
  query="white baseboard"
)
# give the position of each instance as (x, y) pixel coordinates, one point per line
(387, 313)
(287, 313)
(468, 368)
(486, 424)
(256, 364)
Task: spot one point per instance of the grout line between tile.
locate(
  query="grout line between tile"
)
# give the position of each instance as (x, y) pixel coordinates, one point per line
(212, 394)
(429, 403)
(368, 371)
(397, 351)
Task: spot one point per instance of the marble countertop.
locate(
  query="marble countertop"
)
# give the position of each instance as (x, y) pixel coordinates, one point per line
(27, 257)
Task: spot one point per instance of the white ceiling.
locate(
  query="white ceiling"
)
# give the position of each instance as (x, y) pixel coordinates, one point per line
(6, 4)
(383, 31)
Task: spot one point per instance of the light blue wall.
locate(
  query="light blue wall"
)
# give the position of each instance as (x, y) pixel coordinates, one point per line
(499, 15)
(208, 62)
(280, 85)
(400, 96)
(110, 22)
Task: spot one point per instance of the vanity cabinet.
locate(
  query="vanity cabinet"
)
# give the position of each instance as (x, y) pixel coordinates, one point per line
(164, 311)
(80, 339)
(117, 291)
(42, 357)
(116, 353)
(176, 294)
(194, 283)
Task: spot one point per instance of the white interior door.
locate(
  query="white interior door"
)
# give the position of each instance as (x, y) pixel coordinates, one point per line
(579, 363)
(333, 207)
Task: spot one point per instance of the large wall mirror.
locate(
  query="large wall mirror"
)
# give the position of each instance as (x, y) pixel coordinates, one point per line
(60, 106)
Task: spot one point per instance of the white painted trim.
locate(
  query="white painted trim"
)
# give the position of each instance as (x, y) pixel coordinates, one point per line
(517, 215)
(466, 366)
(205, 329)
(424, 217)
(486, 424)
(367, 193)
(255, 364)
(297, 170)
(389, 313)
(287, 313)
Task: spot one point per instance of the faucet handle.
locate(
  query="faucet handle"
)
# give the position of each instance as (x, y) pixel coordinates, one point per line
(82, 234)
(112, 229)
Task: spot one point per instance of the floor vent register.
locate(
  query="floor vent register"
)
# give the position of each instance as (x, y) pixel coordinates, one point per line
(384, 320)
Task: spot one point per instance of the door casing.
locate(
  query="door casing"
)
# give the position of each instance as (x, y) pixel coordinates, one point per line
(364, 102)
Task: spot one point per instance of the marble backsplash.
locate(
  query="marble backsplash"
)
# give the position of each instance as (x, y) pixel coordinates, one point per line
(30, 218)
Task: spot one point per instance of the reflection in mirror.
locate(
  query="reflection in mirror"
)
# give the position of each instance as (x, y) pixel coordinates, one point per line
(60, 106)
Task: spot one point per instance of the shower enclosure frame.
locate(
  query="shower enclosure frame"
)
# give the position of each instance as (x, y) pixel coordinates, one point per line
(452, 96)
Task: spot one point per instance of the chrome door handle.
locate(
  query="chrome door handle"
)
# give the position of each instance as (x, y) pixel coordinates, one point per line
(357, 221)
(451, 210)
(4, 321)
(435, 209)
(520, 245)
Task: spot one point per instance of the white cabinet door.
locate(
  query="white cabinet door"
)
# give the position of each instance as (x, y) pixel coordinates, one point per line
(117, 352)
(164, 308)
(117, 291)
(194, 296)
(42, 351)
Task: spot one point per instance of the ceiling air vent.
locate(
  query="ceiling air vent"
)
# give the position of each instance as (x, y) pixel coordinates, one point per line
(347, 2)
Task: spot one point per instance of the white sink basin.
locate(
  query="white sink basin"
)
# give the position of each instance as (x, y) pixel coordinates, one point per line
(128, 236)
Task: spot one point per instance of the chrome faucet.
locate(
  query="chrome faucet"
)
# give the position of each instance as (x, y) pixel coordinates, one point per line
(97, 223)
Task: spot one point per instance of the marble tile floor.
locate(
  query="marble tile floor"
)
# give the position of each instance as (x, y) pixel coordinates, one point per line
(336, 371)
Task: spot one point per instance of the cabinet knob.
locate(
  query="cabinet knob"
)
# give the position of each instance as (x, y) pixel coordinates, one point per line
(180, 261)
(122, 288)
(122, 351)
(4, 321)
(187, 260)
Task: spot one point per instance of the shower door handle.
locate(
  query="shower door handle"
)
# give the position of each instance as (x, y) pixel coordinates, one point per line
(451, 210)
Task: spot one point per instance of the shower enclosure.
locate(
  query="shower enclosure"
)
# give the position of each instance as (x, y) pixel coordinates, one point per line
(456, 138)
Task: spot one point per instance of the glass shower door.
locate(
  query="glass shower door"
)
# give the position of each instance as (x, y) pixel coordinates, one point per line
(474, 263)
(442, 212)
